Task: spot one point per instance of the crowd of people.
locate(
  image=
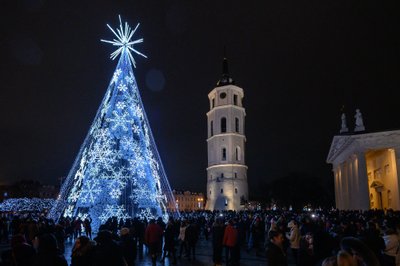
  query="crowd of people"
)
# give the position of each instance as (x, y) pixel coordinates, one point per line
(322, 237)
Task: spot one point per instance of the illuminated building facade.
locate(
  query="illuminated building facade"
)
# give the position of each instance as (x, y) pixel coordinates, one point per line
(187, 201)
(226, 172)
(365, 170)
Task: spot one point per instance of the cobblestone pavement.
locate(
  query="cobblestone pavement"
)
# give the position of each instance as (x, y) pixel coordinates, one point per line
(203, 257)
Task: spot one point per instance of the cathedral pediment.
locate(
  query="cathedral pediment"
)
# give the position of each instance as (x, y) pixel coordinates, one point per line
(339, 144)
(344, 145)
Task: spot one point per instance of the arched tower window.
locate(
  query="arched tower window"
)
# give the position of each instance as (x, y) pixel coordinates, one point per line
(223, 125)
(237, 153)
(212, 128)
(235, 99)
(237, 124)
(223, 157)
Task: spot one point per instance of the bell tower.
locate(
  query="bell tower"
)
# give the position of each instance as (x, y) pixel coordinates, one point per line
(226, 172)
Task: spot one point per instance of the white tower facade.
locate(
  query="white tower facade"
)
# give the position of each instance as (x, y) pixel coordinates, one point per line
(227, 187)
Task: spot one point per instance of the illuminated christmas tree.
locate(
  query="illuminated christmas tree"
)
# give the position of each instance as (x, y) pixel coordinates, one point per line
(118, 171)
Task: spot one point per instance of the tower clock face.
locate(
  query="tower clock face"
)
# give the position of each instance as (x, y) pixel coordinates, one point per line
(222, 95)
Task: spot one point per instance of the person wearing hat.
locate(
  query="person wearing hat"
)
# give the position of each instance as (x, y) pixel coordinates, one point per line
(128, 245)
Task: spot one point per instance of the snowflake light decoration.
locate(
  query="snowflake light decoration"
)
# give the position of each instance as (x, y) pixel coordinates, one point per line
(118, 171)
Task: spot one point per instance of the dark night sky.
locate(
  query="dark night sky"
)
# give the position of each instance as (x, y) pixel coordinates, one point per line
(297, 61)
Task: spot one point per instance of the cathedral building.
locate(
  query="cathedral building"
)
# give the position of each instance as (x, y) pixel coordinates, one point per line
(364, 166)
(226, 172)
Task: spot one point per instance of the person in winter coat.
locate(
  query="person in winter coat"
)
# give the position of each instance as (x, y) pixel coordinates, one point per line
(374, 241)
(82, 252)
(217, 231)
(275, 253)
(87, 224)
(294, 239)
(391, 247)
(107, 251)
(128, 245)
(256, 234)
(191, 237)
(22, 252)
(169, 241)
(181, 238)
(48, 253)
(152, 238)
(230, 242)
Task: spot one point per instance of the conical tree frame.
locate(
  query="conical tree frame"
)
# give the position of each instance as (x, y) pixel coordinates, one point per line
(118, 171)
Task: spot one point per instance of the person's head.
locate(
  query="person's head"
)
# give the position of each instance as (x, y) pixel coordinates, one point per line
(292, 224)
(81, 242)
(345, 259)
(103, 237)
(360, 252)
(46, 243)
(124, 231)
(276, 237)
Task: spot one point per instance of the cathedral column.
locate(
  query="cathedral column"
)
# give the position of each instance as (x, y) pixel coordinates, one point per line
(356, 187)
(362, 177)
(336, 174)
(395, 154)
(340, 187)
(344, 189)
(350, 183)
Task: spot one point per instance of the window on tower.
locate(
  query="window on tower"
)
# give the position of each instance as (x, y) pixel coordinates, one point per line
(212, 102)
(223, 125)
(222, 190)
(235, 99)
(235, 190)
(223, 154)
(212, 128)
(237, 153)
(237, 124)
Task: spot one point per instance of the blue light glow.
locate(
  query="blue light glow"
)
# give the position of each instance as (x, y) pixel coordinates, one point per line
(118, 171)
(26, 205)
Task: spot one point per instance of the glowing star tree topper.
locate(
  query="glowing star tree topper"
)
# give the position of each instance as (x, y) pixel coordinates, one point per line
(118, 171)
(124, 42)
